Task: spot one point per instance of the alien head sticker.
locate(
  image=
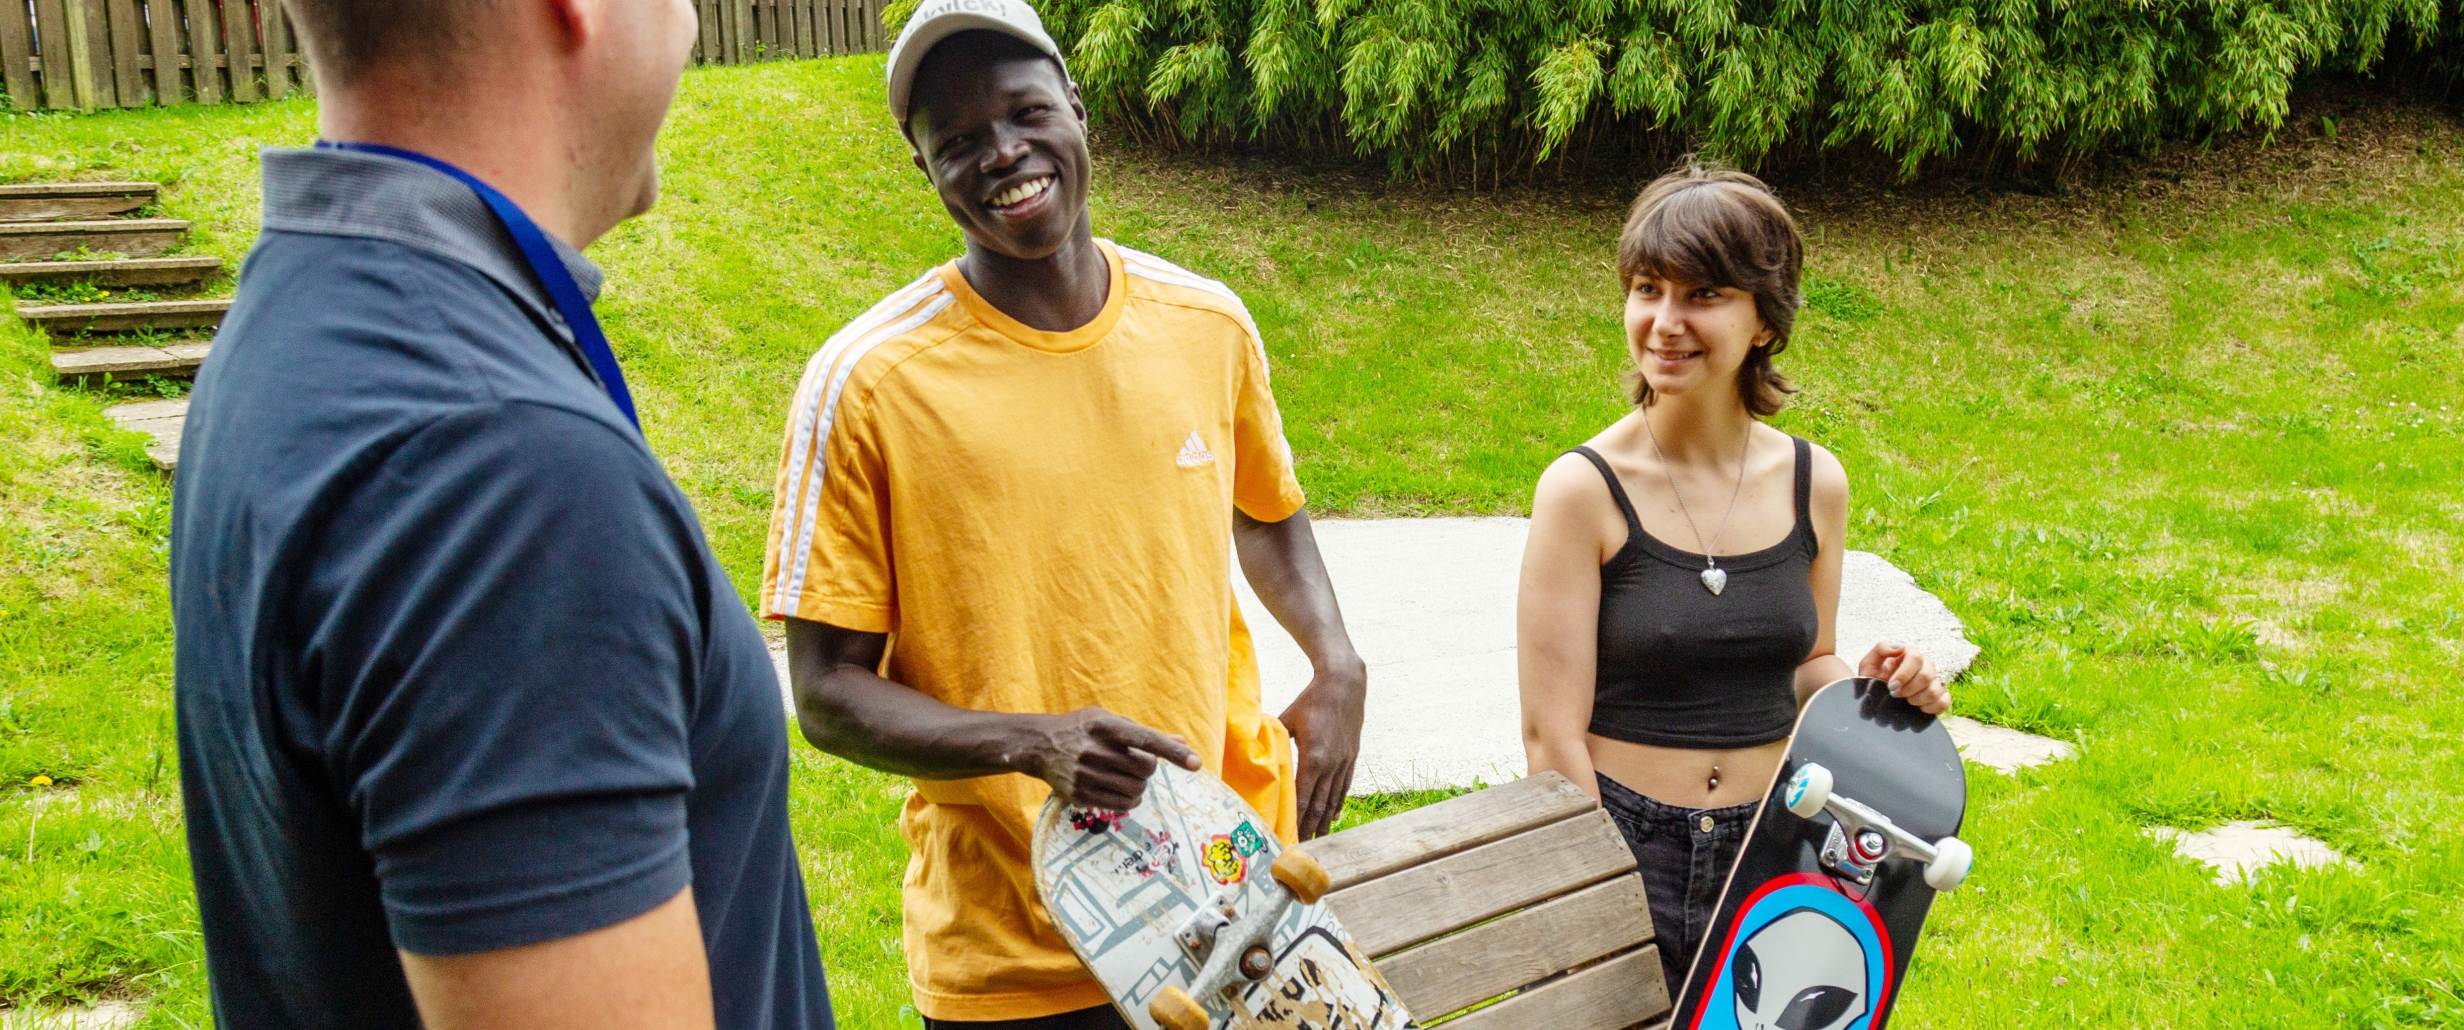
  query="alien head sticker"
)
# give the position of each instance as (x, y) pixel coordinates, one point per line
(1801, 956)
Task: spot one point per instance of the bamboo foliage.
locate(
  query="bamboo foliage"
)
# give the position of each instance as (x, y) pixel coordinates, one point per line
(1428, 84)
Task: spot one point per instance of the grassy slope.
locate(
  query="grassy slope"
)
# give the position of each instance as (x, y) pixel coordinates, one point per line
(2180, 452)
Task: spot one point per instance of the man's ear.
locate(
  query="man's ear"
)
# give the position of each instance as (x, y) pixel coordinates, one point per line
(579, 20)
(1077, 106)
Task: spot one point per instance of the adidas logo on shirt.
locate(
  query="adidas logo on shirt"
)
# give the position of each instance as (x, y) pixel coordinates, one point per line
(1194, 452)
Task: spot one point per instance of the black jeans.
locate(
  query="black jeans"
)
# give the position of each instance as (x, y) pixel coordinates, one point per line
(1685, 855)
(1102, 1017)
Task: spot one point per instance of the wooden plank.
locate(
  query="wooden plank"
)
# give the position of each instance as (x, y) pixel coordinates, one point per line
(204, 44)
(81, 54)
(1398, 842)
(1615, 994)
(1456, 891)
(279, 48)
(127, 45)
(800, 17)
(239, 45)
(826, 34)
(50, 201)
(135, 237)
(1543, 940)
(51, 39)
(162, 27)
(17, 55)
(178, 271)
(71, 319)
(109, 363)
(774, 36)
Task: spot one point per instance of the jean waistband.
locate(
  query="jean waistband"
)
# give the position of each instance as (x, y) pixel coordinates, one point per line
(1624, 800)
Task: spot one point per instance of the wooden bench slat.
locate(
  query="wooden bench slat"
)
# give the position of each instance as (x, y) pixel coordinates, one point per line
(1451, 893)
(1493, 958)
(1399, 842)
(1615, 994)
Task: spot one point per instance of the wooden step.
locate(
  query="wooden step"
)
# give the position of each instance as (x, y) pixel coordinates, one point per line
(105, 364)
(160, 418)
(48, 201)
(135, 237)
(173, 271)
(72, 319)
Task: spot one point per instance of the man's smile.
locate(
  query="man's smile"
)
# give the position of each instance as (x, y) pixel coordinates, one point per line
(1023, 199)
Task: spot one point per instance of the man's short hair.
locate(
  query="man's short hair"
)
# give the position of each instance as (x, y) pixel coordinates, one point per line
(344, 38)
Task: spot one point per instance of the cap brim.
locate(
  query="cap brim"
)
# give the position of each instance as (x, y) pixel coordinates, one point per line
(911, 51)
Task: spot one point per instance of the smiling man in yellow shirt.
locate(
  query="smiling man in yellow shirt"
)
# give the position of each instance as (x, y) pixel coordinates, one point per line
(1005, 511)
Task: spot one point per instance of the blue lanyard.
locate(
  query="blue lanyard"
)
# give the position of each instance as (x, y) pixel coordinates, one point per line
(544, 263)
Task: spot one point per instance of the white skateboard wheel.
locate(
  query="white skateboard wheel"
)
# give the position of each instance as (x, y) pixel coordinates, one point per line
(1952, 857)
(1807, 791)
(1176, 1010)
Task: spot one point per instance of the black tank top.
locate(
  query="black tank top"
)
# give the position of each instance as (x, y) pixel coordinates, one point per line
(1682, 667)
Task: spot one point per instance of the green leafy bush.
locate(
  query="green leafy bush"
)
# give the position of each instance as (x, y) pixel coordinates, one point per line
(1450, 86)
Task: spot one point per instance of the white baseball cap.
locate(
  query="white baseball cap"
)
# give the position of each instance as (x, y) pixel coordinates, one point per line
(937, 20)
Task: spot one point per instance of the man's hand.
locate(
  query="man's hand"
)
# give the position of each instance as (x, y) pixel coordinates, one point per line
(1282, 563)
(1325, 723)
(1095, 759)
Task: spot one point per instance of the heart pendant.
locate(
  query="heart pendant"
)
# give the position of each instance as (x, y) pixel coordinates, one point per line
(1715, 580)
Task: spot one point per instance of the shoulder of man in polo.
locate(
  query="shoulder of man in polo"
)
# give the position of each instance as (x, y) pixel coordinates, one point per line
(474, 732)
(1012, 464)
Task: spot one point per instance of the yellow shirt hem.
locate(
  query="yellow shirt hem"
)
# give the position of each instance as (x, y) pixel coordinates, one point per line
(1022, 1005)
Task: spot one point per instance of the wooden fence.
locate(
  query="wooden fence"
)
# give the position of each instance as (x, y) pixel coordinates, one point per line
(86, 54)
(744, 31)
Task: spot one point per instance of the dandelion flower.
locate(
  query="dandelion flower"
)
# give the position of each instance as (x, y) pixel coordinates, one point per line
(40, 780)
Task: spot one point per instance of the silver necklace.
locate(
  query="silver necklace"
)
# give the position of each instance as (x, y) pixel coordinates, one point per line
(1715, 579)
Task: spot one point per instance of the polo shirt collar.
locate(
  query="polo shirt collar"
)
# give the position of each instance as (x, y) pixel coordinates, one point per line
(354, 193)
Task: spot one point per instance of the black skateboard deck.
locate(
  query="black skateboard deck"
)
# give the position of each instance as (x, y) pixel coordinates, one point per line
(1853, 840)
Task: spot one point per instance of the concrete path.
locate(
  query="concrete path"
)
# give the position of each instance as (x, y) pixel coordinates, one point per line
(1430, 603)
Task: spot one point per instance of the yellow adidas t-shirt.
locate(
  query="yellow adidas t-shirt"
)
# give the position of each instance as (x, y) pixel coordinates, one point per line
(1043, 522)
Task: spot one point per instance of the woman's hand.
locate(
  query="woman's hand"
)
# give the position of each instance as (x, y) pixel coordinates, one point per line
(1910, 674)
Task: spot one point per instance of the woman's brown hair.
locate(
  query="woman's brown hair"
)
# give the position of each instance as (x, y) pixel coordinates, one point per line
(1709, 225)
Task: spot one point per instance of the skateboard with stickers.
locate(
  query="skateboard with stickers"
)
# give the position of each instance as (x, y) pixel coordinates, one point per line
(1193, 917)
(1853, 840)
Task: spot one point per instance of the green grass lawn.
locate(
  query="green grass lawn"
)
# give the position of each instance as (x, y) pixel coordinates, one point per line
(2181, 448)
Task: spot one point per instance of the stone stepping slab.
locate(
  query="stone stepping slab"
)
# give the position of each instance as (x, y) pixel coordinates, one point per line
(2238, 850)
(71, 319)
(135, 237)
(161, 418)
(172, 271)
(104, 364)
(49, 201)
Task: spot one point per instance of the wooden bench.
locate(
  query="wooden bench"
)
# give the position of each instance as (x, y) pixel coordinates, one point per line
(1520, 899)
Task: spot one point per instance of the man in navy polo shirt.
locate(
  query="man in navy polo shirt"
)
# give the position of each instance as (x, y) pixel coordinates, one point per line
(474, 732)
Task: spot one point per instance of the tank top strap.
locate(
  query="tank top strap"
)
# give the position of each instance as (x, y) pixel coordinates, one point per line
(1634, 524)
(1805, 479)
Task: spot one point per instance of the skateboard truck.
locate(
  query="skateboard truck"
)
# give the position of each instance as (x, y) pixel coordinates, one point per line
(1232, 947)
(1861, 837)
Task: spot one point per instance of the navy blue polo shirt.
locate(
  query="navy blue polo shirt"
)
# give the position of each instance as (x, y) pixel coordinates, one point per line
(456, 670)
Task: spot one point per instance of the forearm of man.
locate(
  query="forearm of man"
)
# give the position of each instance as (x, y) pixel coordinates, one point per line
(1282, 564)
(845, 708)
(649, 972)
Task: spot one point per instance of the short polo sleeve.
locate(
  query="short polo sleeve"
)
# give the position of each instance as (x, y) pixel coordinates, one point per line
(1263, 484)
(829, 554)
(505, 648)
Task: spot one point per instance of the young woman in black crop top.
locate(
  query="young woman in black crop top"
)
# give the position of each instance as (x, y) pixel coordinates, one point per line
(1681, 579)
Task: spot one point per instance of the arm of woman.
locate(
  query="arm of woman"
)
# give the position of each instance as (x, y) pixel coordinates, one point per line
(1910, 673)
(1557, 618)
